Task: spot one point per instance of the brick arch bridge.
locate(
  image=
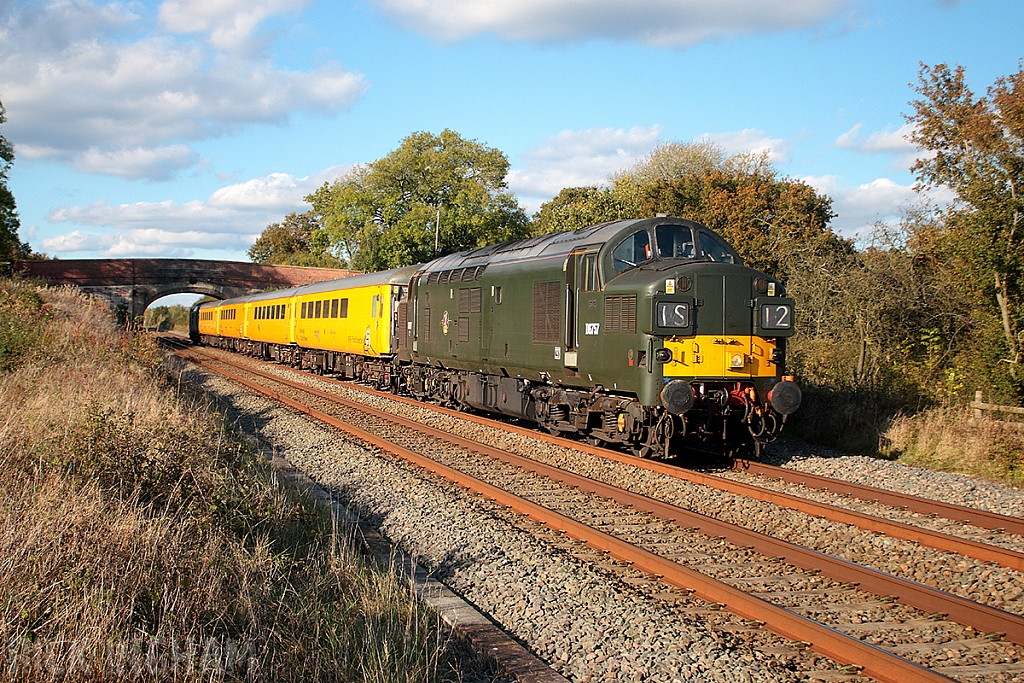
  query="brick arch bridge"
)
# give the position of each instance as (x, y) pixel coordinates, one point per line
(131, 285)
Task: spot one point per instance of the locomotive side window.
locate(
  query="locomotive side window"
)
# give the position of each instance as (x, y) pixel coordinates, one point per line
(711, 248)
(589, 273)
(632, 251)
(674, 241)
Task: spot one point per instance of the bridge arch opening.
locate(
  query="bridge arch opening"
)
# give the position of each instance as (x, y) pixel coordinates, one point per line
(168, 312)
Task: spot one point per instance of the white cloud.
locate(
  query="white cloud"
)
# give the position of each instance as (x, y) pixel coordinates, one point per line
(750, 140)
(156, 163)
(895, 143)
(230, 219)
(230, 24)
(859, 207)
(578, 158)
(144, 242)
(83, 88)
(659, 23)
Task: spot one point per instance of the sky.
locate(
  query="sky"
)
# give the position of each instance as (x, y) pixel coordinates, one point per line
(182, 128)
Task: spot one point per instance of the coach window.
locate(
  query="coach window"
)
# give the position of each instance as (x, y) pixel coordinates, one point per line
(343, 312)
(374, 305)
(334, 308)
(632, 251)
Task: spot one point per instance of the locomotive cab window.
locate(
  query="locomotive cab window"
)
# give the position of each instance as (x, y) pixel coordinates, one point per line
(632, 251)
(715, 250)
(674, 241)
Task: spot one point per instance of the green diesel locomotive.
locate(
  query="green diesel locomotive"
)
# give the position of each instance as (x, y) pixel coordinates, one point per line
(649, 334)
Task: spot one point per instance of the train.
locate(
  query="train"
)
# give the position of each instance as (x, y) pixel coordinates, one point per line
(645, 334)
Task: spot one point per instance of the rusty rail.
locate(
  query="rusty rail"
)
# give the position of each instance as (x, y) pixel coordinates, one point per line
(979, 518)
(873, 661)
(933, 539)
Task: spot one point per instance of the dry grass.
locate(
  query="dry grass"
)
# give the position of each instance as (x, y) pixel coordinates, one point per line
(948, 439)
(139, 541)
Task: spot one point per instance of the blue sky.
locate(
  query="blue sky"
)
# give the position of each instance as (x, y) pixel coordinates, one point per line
(182, 128)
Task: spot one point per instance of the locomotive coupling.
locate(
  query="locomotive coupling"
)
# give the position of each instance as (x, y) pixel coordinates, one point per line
(785, 397)
(678, 396)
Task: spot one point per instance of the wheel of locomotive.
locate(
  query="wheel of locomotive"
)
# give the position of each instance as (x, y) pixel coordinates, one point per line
(641, 450)
(641, 445)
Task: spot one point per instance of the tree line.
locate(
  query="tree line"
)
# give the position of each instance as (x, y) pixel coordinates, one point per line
(923, 313)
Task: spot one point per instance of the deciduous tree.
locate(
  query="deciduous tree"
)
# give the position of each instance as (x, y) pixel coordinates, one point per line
(11, 246)
(298, 241)
(773, 222)
(976, 149)
(434, 195)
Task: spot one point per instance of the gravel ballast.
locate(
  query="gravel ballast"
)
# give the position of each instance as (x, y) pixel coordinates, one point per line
(583, 620)
(574, 614)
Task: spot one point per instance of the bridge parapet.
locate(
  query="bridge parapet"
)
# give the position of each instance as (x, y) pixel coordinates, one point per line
(131, 285)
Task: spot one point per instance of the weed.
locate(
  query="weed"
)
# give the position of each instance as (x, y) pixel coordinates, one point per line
(140, 540)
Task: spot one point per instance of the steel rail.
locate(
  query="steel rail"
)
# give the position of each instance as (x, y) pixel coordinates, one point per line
(930, 600)
(937, 540)
(875, 662)
(980, 518)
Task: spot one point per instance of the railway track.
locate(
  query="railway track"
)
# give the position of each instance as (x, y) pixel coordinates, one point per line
(757, 577)
(945, 527)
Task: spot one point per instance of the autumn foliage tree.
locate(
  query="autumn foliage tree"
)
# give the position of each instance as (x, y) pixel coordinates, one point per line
(976, 149)
(774, 222)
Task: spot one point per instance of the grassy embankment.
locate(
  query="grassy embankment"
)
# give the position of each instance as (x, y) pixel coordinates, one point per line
(945, 438)
(949, 439)
(140, 541)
